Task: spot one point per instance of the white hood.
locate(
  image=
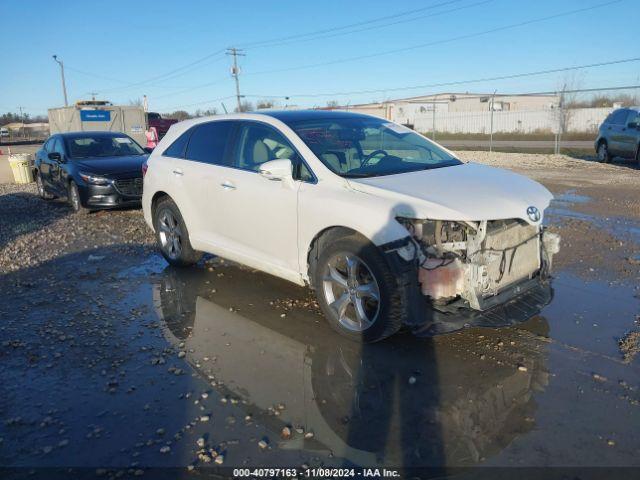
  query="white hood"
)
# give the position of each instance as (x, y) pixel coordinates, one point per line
(464, 192)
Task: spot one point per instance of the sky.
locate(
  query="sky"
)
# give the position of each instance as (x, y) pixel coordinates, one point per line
(308, 51)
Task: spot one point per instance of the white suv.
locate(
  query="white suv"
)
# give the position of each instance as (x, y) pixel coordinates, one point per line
(386, 226)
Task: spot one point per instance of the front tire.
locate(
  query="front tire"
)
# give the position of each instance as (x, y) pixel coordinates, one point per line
(73, 196)
(357, 292)
(42, 192)
(172, 235)
(603, 153)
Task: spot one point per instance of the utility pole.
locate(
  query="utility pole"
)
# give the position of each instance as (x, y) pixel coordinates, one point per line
(493, 98)
(22, 117)
(64, 85)
(235, 52)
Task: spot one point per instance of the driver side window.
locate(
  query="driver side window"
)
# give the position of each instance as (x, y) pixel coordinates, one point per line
(258, 144)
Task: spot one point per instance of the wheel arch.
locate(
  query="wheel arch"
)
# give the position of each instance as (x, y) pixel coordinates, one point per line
(324, 237)
(159, 195)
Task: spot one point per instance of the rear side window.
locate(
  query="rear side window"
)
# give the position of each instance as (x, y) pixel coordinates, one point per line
(634, 117)
(177, 148)
(618, 117)
(208, 143)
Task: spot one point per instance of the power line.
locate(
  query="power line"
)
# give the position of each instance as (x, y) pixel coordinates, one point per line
(300, 37)
(176, 72)
(385, 25)
(459, 82)
(190, 89)
(439, 42)
(178, 107)
(264, 43)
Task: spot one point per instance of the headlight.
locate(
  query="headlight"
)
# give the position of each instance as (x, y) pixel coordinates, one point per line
(94, 179)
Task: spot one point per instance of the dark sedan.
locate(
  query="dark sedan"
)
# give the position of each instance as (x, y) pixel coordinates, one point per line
(93, 170)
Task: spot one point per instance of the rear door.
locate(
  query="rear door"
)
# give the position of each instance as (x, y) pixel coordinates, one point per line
(201, 171)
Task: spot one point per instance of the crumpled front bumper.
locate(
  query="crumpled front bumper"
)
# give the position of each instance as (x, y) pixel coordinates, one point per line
(510, 307)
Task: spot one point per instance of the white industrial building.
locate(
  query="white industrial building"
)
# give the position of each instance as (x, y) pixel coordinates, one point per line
(405, 110)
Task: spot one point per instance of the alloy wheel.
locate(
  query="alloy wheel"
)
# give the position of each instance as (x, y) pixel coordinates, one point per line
(75, 198)
(40, 185)
(170, 233)
(351, 291)
(602, 152)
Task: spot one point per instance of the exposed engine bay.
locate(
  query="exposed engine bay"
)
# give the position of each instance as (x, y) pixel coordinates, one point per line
(475, 261)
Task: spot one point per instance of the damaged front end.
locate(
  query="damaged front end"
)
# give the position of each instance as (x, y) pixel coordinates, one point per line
(477, 266)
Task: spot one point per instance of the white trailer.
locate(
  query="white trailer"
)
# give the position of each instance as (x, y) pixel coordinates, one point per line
(102, 116)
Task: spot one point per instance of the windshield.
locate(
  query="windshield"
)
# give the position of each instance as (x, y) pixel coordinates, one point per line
(369, 147)
(102, 146)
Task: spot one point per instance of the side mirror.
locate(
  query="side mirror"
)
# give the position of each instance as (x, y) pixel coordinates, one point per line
(55, 156)
(277, 170)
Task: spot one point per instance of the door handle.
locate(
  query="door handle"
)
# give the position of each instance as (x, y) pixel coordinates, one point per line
(228, 185)
(178, 172)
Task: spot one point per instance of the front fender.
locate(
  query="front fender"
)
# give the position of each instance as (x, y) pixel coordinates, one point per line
(323, 208)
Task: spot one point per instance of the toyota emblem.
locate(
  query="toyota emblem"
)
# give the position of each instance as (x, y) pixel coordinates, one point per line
(533, 213)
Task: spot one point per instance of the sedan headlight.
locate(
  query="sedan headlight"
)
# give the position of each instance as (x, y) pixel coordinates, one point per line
(94, 179)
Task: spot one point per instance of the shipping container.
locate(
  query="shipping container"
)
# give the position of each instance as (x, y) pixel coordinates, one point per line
(98, 115)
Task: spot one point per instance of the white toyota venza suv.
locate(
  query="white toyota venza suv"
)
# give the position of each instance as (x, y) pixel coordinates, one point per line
(387, 227)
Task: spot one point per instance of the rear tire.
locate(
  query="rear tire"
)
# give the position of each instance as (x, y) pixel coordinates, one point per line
(73, 196)
(172, 235)
(638, 155)
(603, 153)
(357, 291)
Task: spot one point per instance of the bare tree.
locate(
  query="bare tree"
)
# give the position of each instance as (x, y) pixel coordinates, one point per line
(567, 98)
(244, 107)
(136, 102)
(260, 104)
(178, 115)
(333, 104)
(205, 113)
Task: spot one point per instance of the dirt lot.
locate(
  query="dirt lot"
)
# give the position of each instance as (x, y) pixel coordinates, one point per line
(111, 360)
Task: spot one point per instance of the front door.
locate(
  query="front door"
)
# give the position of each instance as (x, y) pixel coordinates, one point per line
(259, 216)
(55, 168)
(615, 132)
(629, 135)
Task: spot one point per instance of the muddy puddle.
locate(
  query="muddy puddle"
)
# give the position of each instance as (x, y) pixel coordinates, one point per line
(111, 359)
(563, 207)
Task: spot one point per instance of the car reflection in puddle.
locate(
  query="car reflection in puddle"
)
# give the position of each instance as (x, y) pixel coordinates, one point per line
(450, 400)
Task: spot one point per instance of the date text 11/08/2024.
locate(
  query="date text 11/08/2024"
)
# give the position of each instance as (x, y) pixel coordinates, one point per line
(316, 472)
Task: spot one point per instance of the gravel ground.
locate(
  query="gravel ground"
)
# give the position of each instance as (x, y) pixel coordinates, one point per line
(33, 231)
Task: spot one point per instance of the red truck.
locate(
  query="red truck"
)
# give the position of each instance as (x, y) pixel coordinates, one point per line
(161, 124)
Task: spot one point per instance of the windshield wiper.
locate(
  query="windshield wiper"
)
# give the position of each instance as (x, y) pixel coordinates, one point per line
(358, 175)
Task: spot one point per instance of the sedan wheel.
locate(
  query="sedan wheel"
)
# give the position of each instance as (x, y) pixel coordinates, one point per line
(41, 190)
(170, 234)
(351, 291)
(603, 153)
(74, 199)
